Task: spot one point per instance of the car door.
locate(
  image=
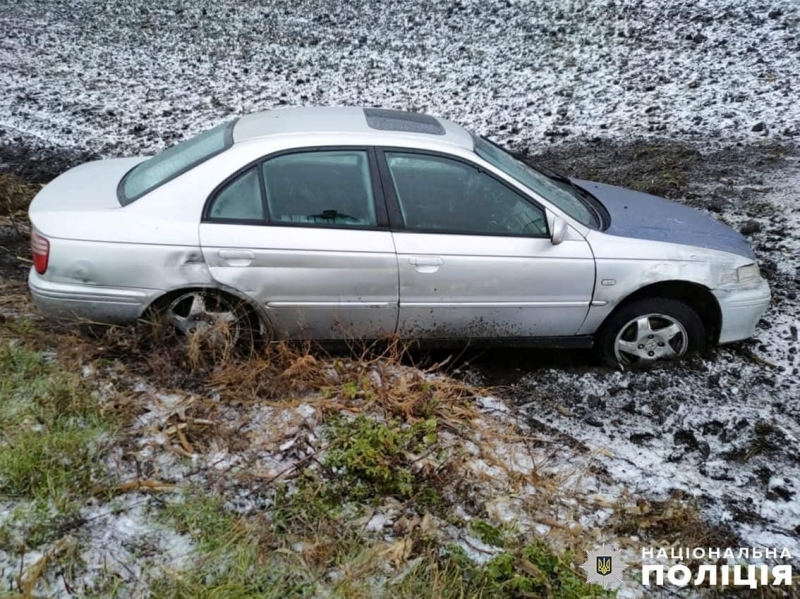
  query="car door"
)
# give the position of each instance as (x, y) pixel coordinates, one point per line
(305, 233)
(475, 256)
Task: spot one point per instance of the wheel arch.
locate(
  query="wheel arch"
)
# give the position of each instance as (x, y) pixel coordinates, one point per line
(166, 297)
(696, 296)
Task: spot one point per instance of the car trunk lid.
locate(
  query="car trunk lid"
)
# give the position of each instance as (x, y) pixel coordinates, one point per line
(89, 187)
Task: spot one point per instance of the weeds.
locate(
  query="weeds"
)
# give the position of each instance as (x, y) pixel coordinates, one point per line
(205, 519)
(531, 571)
(273, 554)
(536, 570)
(374, 459)
(491, 535)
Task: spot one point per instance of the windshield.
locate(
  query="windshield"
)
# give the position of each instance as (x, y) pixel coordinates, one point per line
(561, 193)
(170, 163)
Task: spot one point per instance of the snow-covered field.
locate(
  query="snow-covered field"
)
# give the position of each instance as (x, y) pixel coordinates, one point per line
(131, 77)
(87, 77)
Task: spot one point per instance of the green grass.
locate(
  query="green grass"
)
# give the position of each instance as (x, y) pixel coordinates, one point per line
(310, 541)
(50, 426)
(242, 557)
(491, 535)
(235, 558)
(205, 519)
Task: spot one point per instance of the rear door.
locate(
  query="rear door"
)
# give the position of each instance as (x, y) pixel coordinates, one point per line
(305, 233)
(475, 257)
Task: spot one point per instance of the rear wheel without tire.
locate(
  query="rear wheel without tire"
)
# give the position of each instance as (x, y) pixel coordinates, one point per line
(222, 319)
(649, 330)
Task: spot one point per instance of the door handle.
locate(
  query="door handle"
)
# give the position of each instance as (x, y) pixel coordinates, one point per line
(427, 261)
(426, 264)
(237, 257)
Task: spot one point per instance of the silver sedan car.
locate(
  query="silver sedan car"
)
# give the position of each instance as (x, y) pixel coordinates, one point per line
(331, 223)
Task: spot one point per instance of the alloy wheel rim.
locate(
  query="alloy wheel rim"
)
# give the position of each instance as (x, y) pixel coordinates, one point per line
(649, 338)
(199, 312)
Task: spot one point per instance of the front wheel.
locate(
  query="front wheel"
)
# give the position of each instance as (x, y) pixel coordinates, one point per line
(649, 330)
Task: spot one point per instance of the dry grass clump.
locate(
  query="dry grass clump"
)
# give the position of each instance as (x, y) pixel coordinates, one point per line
(426, 427)
(368, 377)
(15, 197)
(374, 377)
(15, 194)
(14, 297)
(675, 520)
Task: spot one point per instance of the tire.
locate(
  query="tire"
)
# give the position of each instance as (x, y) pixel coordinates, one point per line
(649, 330)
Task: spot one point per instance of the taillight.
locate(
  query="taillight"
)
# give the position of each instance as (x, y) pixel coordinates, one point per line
(40, 248)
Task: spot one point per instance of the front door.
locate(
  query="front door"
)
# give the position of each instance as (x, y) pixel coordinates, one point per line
(305, 235)
(475, 257)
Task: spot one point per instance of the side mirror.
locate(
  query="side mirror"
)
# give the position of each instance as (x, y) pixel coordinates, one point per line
(558, 230)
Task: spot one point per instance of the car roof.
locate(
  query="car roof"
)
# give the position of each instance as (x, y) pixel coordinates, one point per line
(382, 123)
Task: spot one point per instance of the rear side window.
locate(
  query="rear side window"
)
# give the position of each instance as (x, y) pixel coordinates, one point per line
(240, 199)
(146, 176)
(326, 188)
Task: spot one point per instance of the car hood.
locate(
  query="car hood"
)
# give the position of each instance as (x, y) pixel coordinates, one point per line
(644, 216)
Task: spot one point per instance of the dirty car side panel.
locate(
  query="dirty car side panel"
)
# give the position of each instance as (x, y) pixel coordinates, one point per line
(486, 286)
(314, 283)
(113, 283)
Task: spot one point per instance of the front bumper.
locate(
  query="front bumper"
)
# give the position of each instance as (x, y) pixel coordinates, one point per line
(88, 303)
(741, 311)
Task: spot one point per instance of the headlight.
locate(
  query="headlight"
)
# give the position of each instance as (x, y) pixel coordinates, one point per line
(748, 272)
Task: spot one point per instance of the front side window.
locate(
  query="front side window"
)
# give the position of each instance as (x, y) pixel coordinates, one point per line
(170, 163)
(328, 188)
(561, 193)
(439, 194)
(240, 199)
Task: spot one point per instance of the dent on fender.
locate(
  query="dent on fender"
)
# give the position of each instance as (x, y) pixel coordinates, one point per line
(628, 281)
(156, 268)
(187, 267)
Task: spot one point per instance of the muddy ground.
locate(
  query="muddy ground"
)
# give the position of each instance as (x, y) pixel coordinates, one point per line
(721, 430)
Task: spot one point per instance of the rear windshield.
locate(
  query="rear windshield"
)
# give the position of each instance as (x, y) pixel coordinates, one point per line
(174, 161)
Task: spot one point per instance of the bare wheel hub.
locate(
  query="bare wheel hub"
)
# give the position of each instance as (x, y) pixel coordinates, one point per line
(200, 312)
